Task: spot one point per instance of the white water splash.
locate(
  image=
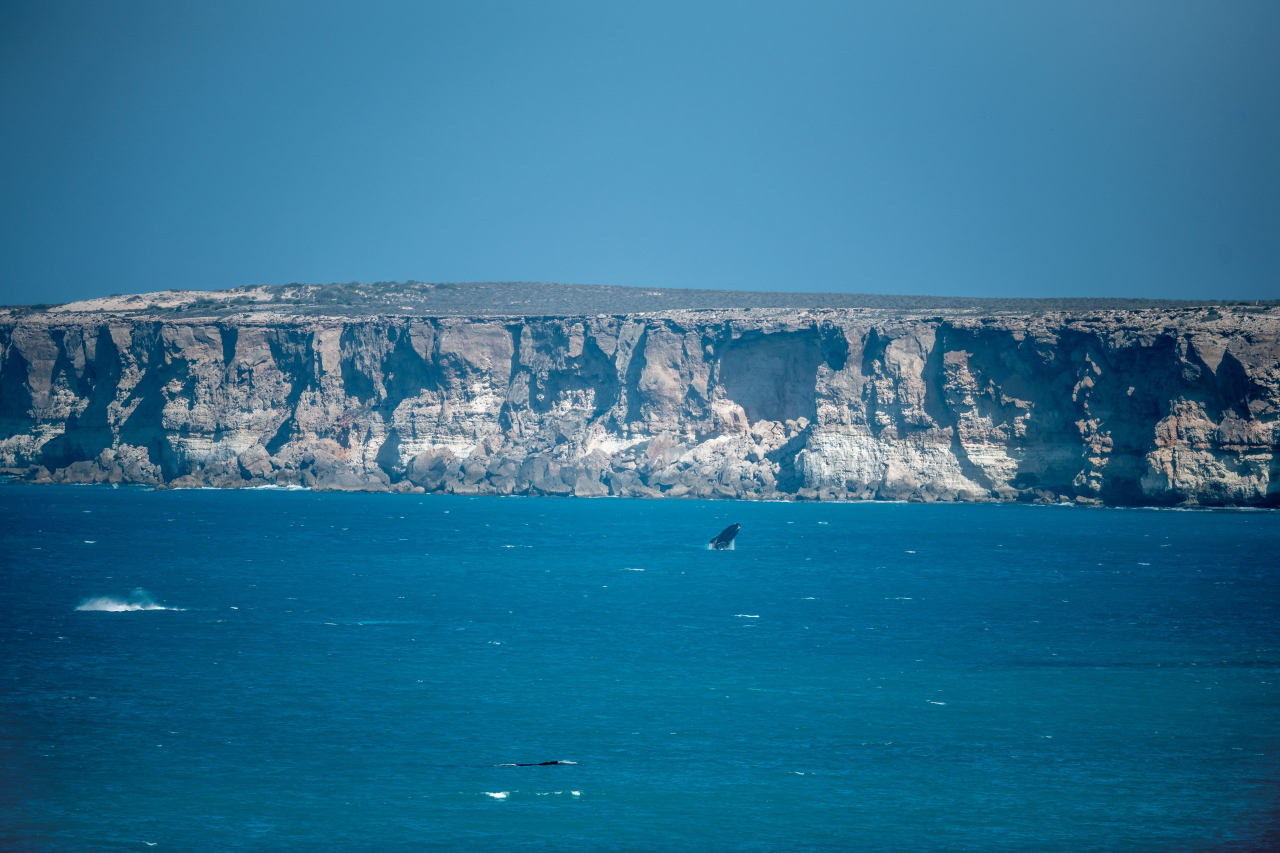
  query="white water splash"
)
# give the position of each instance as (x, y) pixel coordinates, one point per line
(139, 599)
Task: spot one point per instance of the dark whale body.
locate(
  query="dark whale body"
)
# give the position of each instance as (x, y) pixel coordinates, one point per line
(724, 540)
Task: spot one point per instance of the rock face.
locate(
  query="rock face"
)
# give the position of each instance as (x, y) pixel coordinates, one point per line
(1159, 406)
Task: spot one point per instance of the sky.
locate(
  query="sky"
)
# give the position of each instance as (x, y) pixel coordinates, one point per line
(976, 149)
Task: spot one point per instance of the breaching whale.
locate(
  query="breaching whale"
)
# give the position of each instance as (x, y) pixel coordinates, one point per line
(724, 541)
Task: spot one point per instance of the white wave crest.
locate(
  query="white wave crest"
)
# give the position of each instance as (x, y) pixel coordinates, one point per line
(139, 599)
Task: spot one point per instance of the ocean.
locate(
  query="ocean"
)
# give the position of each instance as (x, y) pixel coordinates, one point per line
(287, 670)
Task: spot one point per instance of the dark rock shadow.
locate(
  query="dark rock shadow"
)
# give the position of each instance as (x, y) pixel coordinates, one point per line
(773, 376)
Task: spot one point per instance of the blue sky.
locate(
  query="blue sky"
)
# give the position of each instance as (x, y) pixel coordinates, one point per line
(985, 149)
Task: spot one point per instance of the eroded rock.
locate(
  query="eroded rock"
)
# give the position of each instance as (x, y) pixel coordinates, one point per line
(1158, 406)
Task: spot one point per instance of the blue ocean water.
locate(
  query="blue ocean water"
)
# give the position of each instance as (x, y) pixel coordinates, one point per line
(359, 672)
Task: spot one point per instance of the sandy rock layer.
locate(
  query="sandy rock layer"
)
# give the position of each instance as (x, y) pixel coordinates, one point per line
(1120, 407)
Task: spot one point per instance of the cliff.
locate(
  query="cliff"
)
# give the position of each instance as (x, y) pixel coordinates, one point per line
(1161, 405)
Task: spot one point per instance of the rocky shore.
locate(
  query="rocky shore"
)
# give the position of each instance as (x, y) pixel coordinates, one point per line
(1151, 406)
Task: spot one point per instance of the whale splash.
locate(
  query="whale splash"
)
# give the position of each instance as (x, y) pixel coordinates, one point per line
(138, 599)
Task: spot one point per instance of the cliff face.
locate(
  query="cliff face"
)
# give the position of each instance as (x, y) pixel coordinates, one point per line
(1140, 407)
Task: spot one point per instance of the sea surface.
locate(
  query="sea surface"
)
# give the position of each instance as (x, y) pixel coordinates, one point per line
(287, 670)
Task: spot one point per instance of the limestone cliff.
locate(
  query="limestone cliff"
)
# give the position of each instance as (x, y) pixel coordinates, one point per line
(1158, 406)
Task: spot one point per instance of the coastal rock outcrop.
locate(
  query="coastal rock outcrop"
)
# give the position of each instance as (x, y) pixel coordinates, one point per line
(1160, 406)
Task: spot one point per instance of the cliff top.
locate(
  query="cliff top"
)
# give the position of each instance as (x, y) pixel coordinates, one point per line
(543, 299)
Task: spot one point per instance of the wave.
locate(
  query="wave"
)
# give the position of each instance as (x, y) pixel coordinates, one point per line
(1266, 509)
(139, 599)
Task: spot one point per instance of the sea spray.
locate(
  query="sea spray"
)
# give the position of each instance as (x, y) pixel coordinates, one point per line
(138, 599)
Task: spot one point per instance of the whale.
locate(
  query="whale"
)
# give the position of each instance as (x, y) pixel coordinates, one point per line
(724, 540)
(536, 764)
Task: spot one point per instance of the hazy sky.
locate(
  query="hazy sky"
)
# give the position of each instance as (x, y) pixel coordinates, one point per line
(988, 149)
